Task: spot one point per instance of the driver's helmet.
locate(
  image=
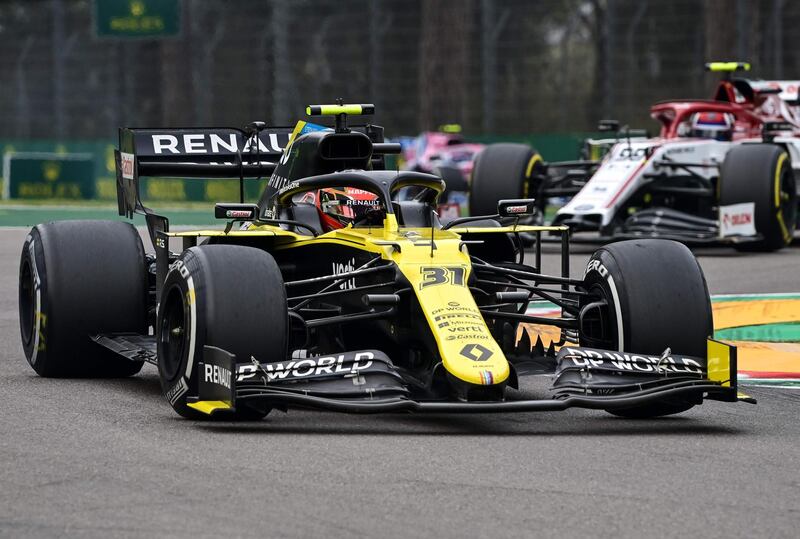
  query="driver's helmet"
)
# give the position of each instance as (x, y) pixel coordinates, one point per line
(713, 125)
(342, 206)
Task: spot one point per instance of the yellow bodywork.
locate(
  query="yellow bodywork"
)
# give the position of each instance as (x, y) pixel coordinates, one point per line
(331, 110)
(438, 277)
(209, 407)
(728, 66)
(722, 366)
(720, 356)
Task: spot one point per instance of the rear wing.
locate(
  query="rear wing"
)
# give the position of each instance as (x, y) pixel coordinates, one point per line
(193, 153)
(786, 90)
(203, 152)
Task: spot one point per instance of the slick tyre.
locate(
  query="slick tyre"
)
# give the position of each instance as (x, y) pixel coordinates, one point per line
(504, 171)
(228, 296)
(657, 298)
(761, 174)
(78, 279)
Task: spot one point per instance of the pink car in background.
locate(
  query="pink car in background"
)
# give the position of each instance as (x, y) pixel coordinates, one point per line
(444, 148)
(447, 154)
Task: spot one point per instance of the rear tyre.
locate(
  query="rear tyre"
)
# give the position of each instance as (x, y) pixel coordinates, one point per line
(762, 174)
(228, 296)
(504, 171)
(657, 298)
(78, 279)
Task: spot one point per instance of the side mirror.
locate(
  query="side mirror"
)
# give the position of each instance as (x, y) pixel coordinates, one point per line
(517, 207)
(230, 210)
(770, 129)
(606, 126)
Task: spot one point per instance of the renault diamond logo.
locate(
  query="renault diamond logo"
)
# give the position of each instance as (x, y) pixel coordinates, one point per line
(476, 352)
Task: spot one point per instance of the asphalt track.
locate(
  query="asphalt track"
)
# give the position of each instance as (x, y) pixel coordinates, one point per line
(87, 458)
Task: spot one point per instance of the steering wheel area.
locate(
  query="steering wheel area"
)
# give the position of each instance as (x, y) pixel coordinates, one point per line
(384, 185)
(384, 188)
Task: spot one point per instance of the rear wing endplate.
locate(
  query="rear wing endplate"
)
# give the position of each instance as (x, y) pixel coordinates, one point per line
(192, 153)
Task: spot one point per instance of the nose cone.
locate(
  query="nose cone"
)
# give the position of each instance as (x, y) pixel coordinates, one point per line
(469, 353)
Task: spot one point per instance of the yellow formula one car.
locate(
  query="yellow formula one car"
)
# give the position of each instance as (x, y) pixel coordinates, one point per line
(337, 293)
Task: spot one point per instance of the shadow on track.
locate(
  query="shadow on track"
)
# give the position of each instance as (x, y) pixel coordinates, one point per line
(146, 386)
(310, 423)
(460, 425)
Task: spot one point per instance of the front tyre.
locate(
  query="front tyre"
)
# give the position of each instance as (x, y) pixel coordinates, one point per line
(657, 297)
(228, 296)
(761, 174)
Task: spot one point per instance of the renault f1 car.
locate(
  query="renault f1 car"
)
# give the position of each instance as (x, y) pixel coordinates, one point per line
(334, 293)
(719, 170)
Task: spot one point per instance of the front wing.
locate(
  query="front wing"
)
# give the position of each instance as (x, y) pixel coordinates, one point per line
(367, 382)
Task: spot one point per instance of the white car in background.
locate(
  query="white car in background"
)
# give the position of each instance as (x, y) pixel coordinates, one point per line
(719, 170)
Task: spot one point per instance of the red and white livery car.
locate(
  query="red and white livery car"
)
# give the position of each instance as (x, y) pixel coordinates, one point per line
(719, 170)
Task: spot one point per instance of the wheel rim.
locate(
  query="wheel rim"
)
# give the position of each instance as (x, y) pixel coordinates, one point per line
(788, 204)
(27, 302)
(605, 332)
(173, 331)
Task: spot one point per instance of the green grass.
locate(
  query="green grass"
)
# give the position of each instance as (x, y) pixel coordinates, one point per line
(30, 213)
(110, 204)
